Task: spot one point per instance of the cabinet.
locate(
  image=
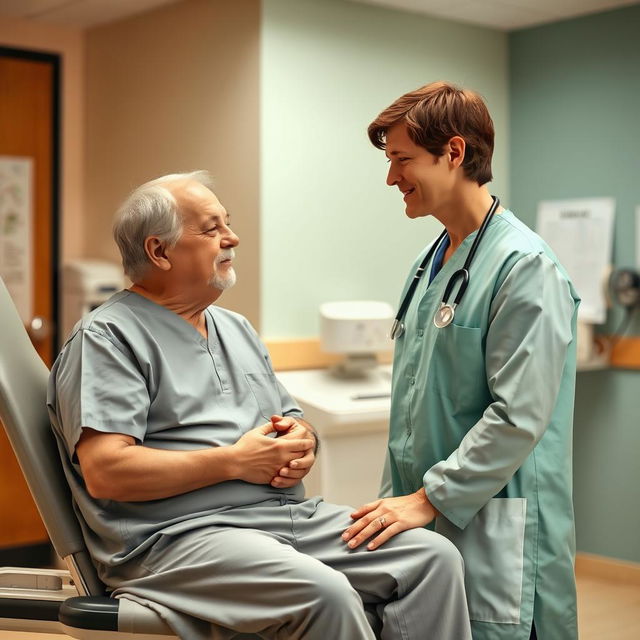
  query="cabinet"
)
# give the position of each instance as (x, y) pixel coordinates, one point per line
(351, 416)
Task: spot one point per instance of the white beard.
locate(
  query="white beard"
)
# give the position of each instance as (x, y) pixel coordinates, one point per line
(226, 281)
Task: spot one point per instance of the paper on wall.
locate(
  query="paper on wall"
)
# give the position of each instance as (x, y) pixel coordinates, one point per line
(15, 231)
(580, 232)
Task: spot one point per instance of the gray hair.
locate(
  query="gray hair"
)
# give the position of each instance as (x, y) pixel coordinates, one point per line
(150, 210)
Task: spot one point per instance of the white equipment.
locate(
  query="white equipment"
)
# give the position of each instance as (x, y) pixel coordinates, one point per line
(358, 329)
(86, 284)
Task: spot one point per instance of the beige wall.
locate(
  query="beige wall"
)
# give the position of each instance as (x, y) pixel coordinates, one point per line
(69, 44)
(171, 90)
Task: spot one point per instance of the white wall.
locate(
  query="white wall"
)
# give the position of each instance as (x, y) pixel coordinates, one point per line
(170, 90)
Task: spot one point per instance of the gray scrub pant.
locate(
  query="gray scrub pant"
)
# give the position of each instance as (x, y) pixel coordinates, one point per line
(281, 570)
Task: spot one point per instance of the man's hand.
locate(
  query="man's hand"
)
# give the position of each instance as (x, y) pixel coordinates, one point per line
(387, 517)
(290, 428)
(260, 458)
(115, 467)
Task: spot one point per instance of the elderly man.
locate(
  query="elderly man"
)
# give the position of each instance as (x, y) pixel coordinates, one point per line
(185, 457)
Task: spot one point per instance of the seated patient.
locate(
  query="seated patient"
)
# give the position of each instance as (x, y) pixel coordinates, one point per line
(185, 457)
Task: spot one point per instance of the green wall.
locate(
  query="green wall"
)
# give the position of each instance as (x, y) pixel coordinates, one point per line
(331, 228)
(575, 132)
(565, 99)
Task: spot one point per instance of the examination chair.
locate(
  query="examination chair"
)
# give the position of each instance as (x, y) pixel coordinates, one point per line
(72, 602)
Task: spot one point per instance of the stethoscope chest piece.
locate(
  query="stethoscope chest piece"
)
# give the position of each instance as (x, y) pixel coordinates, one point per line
(397, 329)
(444, 315)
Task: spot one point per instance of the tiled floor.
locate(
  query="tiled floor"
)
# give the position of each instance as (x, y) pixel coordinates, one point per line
(608, 610)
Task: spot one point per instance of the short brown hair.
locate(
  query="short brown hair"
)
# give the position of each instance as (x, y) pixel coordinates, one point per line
(436, 113)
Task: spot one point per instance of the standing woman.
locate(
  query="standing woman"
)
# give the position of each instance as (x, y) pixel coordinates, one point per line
(483, 378)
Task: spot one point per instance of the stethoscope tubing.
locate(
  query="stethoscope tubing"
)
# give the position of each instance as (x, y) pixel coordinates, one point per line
(461, 274)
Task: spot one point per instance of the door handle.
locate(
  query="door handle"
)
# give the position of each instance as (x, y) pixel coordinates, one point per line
(39, 328)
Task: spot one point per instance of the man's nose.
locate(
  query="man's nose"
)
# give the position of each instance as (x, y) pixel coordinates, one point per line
(231, 239)
(392, 177)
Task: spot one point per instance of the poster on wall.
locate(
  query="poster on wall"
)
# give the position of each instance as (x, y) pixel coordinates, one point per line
(16, 179)
(580, 232)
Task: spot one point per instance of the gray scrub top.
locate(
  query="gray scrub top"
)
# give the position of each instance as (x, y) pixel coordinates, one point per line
(134, 367)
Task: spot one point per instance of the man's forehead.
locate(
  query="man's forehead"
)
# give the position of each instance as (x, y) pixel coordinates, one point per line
(397, 139)
(220, 216)
(191, 191)
(196, 202)
(204, 214)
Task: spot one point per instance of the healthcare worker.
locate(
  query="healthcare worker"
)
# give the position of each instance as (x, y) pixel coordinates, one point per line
(483, 378)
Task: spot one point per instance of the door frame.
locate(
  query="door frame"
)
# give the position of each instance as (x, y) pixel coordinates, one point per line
(54, 283)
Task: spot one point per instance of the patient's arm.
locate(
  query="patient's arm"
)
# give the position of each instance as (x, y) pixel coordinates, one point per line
(114, 467)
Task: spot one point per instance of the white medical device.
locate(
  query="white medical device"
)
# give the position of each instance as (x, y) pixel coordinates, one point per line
(359, 329)
(86, 284)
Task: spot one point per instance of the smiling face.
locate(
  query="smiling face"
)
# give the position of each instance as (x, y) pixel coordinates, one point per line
(203, 256)
(425, 180)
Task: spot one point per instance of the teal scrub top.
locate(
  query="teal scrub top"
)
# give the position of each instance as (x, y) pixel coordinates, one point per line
(481, 417)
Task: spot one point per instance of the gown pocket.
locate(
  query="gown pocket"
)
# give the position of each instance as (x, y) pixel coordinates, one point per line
(492, 546)
(457, 369)
(264, 389)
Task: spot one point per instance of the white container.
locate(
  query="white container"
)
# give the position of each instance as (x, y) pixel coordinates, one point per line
(359, 326)
(86, 284)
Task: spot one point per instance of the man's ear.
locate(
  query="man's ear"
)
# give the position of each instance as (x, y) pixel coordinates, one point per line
(156, 253)
(454, 151)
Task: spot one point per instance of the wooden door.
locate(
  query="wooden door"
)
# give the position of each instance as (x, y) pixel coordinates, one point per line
(29, 130)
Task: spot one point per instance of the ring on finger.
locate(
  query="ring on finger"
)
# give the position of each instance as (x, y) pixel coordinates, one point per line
(383, 522)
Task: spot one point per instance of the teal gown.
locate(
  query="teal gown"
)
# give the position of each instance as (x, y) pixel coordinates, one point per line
(481, 417)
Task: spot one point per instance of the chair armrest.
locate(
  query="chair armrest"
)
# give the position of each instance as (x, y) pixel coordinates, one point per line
(90, 612)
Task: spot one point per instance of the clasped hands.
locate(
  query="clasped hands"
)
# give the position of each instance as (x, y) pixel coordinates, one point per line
(281, 461)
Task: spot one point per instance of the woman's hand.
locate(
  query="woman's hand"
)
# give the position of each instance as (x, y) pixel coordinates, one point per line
(387, 517)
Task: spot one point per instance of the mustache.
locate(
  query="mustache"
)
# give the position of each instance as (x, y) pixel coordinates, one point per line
(225, 254)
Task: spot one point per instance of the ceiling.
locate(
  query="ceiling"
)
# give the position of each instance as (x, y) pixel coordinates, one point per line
(498, 14)
(503, 14)
(77, 13)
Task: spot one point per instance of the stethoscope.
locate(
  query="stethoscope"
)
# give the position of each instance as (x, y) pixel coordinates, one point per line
(444, 315)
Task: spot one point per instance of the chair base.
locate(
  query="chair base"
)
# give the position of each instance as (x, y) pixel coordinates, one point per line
(45, 601)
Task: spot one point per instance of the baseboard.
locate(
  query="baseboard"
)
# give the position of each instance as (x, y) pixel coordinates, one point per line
(604, 568)
(305, 353)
